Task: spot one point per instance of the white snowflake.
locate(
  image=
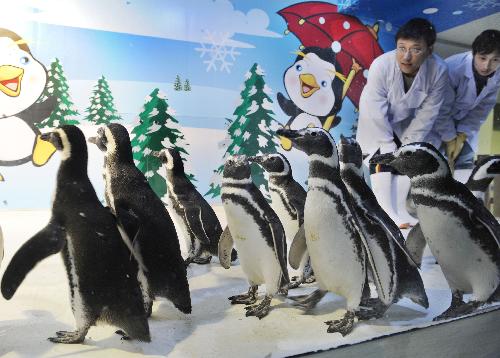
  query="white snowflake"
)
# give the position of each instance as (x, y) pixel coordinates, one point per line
(63, 107)
(482, 4)
(136, 162)
(252, 91)
(146, 151)
(108, 112)
(142, 138)
(171, 111)
(259, 71)
(147, 99)
(136, 149)
(98, 106)
(161, 95)
(248, 74)
(246, 135)
(254, 107)
(236, 149)
(262, 141)
(153, 128)
(237, 132)
(153, 113)
(217, 51)
(50, 90)
(149, 174)
(266, 104)
(263, 126)
(243, 120)
(267, 90)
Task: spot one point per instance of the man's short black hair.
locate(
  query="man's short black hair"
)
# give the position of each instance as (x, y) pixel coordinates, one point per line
(417, 29)
(487, 42)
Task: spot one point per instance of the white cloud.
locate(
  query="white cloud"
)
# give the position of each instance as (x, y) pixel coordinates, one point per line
(185, 20)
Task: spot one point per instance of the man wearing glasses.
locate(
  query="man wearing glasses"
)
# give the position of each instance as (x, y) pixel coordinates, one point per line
(400, 104)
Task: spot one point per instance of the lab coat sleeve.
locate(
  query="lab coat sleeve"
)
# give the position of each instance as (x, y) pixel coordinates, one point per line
(471, 123)
(427, 113)
(445, 125)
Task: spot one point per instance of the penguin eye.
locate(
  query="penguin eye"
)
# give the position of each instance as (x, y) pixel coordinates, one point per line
(324, 83)
(24, 60)
(314, 134)
(298, 68)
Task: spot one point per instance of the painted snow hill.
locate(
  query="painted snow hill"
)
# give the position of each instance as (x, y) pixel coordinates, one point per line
(217, 329)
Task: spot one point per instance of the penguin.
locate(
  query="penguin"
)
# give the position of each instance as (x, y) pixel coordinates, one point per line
(258, 235)
(144, 218)
(395, 267)
(193, 217)
(287, 200)
(22, 81)
(102, 276)
(462, 234)
(480, 179)
(330, 234)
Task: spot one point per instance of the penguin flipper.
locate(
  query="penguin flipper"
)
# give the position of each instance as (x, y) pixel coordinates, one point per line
(48, 241)
(279, 241)
(195, 224)
(38, 111)
(481, 214)
(298, 248)
(225, 248)
(288, 106)
(415, 243)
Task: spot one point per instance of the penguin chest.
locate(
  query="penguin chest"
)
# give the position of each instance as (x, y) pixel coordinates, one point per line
(284, 212)
(16, 139)
(337, 261)
(465, 265)
(177, 214)
(257, 258)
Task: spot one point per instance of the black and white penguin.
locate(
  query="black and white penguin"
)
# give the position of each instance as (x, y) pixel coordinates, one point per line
(257, 233)
(287, 200)
(479, 181)
(396, 271)
(22, 81)
(462, 234)
(194, 218)
(330, 229)
(144, 217)
(102, 277)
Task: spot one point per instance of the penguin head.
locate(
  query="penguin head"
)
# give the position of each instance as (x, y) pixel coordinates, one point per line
(416, 160)
(312, 141)
(114, 140)
(69, 140)
(275, 164)
(22, 77)
(312, 82)
(171, 158)
(487, 167)
(236, 168)
(350, 152)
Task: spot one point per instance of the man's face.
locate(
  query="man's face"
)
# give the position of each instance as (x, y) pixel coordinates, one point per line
(411, 54)
(486, 64)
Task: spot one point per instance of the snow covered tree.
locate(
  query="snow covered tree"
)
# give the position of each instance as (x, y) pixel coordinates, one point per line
(102, 109)
(187, 85)
(177, 83)
(157, 129)
(57, 85)
(250, 132)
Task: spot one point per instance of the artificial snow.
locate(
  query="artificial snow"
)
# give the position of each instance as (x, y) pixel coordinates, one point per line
(215, 328)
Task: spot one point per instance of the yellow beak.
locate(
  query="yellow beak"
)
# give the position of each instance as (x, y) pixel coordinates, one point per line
(308, 85)
(10, 80)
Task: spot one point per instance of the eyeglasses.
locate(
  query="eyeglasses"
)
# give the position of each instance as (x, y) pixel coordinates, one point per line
(413, 51)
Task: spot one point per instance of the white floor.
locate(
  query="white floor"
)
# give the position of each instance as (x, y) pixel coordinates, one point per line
(214, 329)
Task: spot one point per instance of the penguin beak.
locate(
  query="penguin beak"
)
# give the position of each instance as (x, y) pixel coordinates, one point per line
(10, 80)
(383, 159)
(92, 140)
(288, 133)
(308, 85)
(53, 138)
(160, 155)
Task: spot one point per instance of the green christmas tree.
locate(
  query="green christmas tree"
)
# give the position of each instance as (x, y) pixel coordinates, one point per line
(250, 132)
(57, 85)
(187, 85)
(177, 83)
(157, 129)
(102, 109)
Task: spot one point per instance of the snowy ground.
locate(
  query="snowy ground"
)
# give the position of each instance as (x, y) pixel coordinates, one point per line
(214, 329)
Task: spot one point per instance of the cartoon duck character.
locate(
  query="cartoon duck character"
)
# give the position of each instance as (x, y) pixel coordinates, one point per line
(22, 80)
(316, 88)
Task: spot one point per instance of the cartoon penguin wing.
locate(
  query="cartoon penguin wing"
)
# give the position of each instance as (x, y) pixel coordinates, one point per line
(195, 223)
(225, 248)
(48, 241)
(298, 248)
(288, 106)
(38, 111)
(279, 241)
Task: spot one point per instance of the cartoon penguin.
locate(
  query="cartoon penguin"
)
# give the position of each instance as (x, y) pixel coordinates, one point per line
(144, 217)
(22, 80)
(396, 273)
(287, 200)
(461, 233)
(102, 277)
(330, 229)
(480, 179)
(193, 217)
(257, 233)
(316, 88)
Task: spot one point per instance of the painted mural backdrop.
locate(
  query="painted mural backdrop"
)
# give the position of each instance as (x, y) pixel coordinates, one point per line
(211, 78)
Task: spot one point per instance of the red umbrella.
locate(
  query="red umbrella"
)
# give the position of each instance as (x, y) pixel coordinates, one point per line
(320, 24)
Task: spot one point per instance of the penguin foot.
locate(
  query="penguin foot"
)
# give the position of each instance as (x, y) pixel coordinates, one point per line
(68, 337)
(202, 260)
(343, 326)
(459, 310)
(124, 336)
(246, 298)
(308, 301)
(261, 310)
(295, 282)
(371, 308)
(310, 279)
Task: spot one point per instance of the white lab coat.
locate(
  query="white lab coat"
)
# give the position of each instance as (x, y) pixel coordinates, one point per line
(385, 108)
(468, 111)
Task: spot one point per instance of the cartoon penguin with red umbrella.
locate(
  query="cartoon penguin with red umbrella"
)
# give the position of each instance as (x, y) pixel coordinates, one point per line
(335, 47)
(22, 80)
